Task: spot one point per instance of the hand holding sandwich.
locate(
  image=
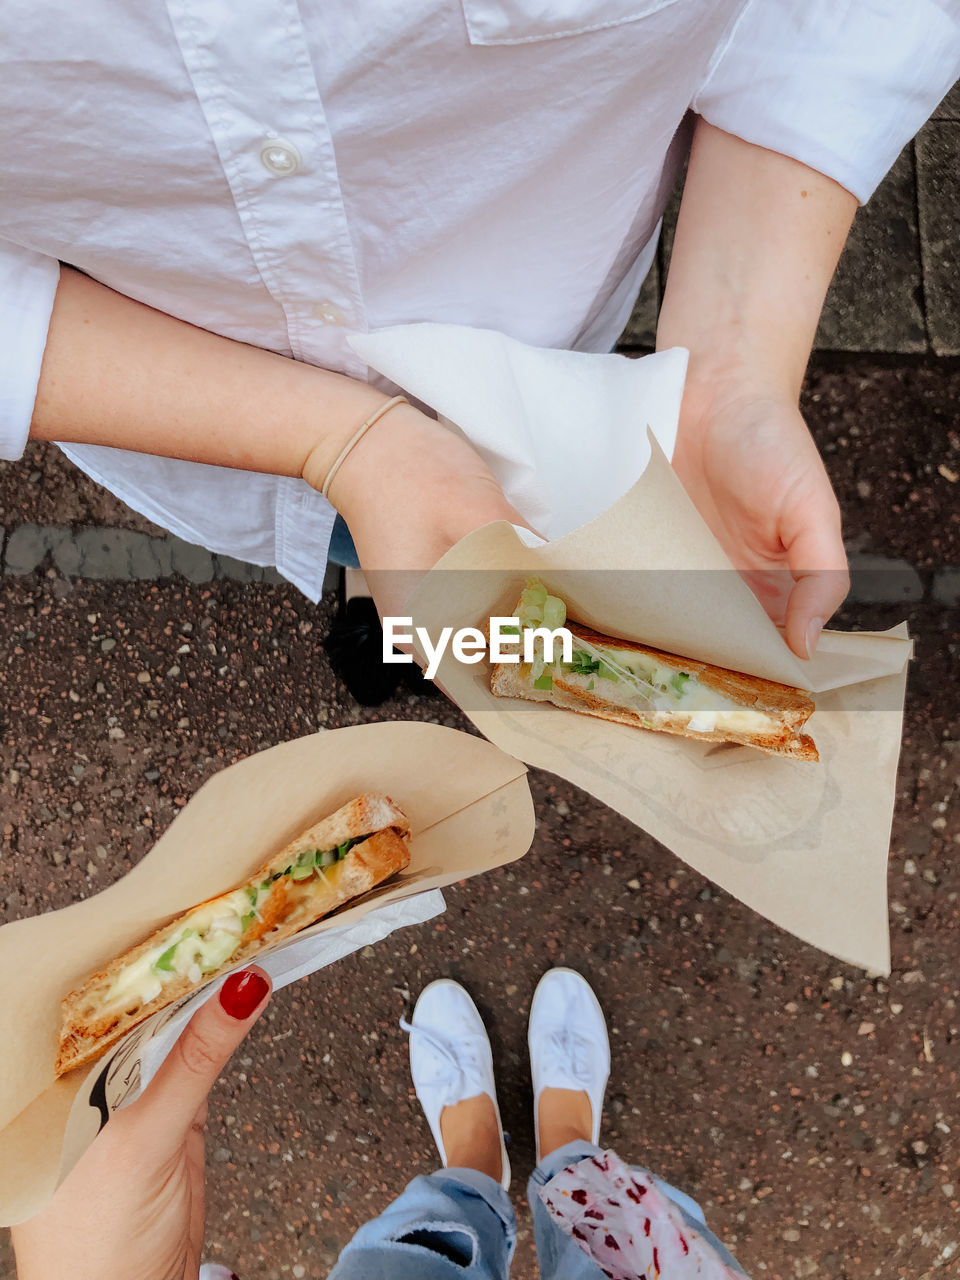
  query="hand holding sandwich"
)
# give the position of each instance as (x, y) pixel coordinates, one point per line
(408, 495)
(132, 1208)
(749, 463)
(757, 241)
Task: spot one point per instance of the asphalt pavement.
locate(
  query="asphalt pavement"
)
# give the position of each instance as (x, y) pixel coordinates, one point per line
(809, 1107)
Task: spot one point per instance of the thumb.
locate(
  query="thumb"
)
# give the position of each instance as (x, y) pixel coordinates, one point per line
(818, 564)
(179, 1089)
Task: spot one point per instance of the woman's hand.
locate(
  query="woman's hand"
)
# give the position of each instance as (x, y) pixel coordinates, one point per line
(757, 241)
(409, 490)
(132, 1207)
(749, 463)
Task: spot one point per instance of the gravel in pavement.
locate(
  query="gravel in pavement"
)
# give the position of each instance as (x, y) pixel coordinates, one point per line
(810, 1108)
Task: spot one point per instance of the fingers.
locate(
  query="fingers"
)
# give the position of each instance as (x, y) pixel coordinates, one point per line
(772, 587)
(177, 1095)
(818, 563)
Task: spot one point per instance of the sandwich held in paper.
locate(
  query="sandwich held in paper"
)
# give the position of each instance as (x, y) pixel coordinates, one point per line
(566, 435)
(469, 808)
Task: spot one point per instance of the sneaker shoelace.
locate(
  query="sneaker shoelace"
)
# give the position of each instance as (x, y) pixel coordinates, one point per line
(459, 1073)
(565, 1055)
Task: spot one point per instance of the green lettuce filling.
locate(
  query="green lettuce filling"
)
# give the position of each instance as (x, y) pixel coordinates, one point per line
(538, 608)
(310, 862)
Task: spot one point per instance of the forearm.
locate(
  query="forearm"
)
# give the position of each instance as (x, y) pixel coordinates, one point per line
(118, 373)
(757, 242)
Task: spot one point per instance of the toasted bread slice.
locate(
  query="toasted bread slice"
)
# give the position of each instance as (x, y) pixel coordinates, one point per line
(750, 711)
(268, 908)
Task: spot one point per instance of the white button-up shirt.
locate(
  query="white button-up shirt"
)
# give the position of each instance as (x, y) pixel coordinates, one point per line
(287, 172)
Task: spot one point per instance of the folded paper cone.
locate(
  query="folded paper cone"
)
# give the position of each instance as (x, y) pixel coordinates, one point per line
(469, 808)
(566, 434)
(804, 844)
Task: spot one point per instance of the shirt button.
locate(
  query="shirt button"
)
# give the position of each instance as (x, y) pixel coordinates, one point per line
(280, 157)
(328, 313)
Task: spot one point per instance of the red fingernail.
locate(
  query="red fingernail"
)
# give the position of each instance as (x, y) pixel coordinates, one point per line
(242, 993)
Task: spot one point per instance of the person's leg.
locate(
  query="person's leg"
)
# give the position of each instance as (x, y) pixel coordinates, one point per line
(457, 1223)
(570, 1063)
(562, 1258)
(341, 550)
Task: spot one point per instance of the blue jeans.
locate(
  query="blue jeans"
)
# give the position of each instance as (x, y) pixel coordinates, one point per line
(341, 550)
(458, 1224)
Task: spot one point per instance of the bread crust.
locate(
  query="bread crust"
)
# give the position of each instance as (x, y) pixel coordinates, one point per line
(752, 691)
(790, 708)
(89, 1027)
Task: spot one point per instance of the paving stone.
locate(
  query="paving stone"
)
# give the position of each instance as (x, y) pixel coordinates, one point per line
(875, 300)
(949, 108)
(938, 196)
(236, 570)
(195, 563)
(668, 230)
(946, 587)
(68, 557)
(7, 1270)
(149, 557)
(883, 580)
(641, 330)
(109, 554)
(28, 546)
(103, 554)
(112, 555)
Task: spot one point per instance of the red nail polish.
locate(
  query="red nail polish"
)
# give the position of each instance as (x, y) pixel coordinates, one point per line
(242, 993)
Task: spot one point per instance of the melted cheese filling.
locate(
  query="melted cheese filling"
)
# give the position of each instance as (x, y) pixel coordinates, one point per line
(210, 935)
(203, 944)
(652, 694)
(752, 722)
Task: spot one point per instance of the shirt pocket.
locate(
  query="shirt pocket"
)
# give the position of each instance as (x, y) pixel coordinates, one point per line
(527, 21)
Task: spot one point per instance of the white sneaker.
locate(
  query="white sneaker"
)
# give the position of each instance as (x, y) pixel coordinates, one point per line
(450, 1058)
(568, 1043)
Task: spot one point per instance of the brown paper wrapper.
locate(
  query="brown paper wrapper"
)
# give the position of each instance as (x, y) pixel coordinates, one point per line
(470, 810)
(804, 844)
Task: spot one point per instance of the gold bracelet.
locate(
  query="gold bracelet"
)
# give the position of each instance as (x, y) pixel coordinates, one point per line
(355, 440)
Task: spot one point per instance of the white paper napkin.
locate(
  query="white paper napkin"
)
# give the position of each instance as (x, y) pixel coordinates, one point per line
(564, 432)
(296, 960)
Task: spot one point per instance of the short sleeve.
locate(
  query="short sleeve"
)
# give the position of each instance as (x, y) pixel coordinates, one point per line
(840, 85)
(28, 285)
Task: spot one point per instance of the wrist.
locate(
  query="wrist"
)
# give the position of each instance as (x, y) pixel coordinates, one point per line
(734, 355)
(717, 387)
(389, 443)
(316, 454)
